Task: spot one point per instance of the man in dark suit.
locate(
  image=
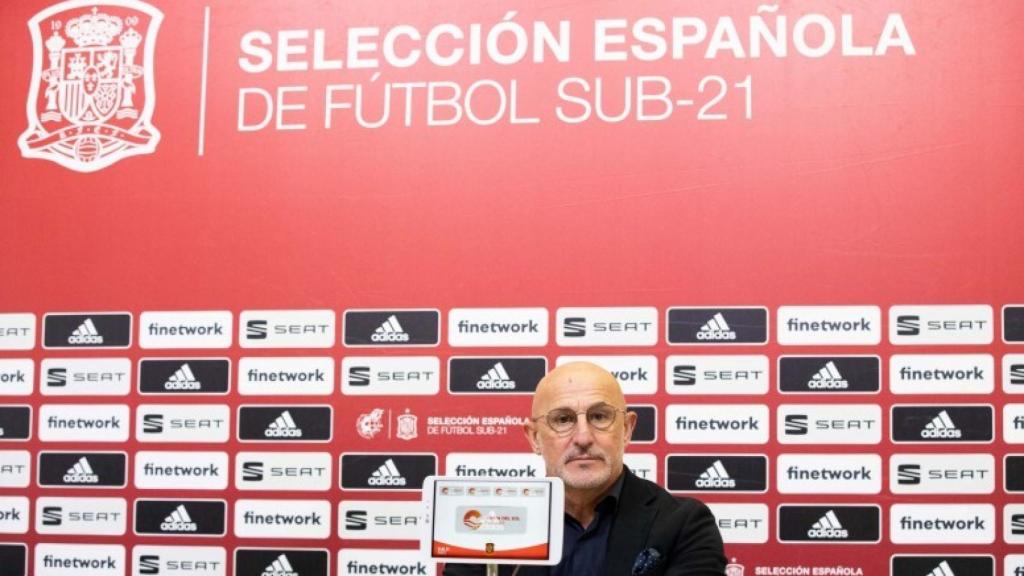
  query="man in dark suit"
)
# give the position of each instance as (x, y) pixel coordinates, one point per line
(616, 524)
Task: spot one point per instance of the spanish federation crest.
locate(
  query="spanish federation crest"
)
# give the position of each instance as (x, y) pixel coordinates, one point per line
(91, 100)
(406, 426)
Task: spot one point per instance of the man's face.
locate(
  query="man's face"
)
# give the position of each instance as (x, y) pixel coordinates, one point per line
(585, 458)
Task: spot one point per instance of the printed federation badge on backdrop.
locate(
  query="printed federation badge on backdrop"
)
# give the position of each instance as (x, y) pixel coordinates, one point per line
(91, 99)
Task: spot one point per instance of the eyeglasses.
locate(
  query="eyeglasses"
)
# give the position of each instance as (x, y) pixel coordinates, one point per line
(563, 420)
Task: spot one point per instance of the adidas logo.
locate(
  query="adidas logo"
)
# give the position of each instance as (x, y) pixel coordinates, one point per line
(715, 476)
(280, 567)
(387, 475)
(941, 427)
(716, 329)
(283, 427)
(390, 331)
(179, 521)
(828, 378)
(828, 527)
(496, 379)
(81, 473)
(943, 569)
(85, 334)
(183, 379)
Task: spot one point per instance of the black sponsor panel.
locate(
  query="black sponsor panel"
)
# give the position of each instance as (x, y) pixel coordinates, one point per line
(180, 517)
(392, 328)
(830, 524)
(944, 565)
(1013, 474)
(15, 422)
(386, 471)
(276, 561)
(942, 423)
(815, 374)
(87, 330)
(646, 423)
(82, 469)
(1013, 323)
(13, 559)
(284, 423)
(495, 375)
(717, 326)
(710, 473)
(184, 376)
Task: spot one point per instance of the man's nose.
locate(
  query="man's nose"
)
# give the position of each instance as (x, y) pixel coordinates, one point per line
(583, 434)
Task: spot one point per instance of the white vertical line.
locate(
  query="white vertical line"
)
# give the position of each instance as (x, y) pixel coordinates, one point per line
(202, 90)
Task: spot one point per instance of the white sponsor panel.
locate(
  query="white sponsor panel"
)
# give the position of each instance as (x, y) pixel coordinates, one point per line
(741, 523)
(13, 515)
(15, 468)
(829, 424)
(192, 470)
(717, 374)
(635, 326)
(498, 327)
(942, 473)
(288, 376)
(716, 424)
(79, 559)
(181, 560)
(829, 325)
(643, 465)
(1013, 523)
(390, 375)
(494, 465)
(17, 331)
(283, 471)
(81, 516)
(957, 324)
(941, 373)
(636, 374)
(83, 422)
(1013, 565)
(380, 520)
(352, 561)
(286, 329)
(17, 376)
(204, 423)
(85, 376)
(1013, 373)
(829, 473)
(1013, 423)
(283, 519)
(194, 330)
(942, 523)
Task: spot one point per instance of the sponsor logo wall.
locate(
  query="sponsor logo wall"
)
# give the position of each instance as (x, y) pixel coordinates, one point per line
(242, 320)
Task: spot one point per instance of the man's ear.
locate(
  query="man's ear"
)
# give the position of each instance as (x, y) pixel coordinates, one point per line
(530, 431)
(628, 427)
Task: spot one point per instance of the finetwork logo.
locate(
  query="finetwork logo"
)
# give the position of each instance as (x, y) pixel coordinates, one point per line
(86, 334)
(828, 378)
(283, 427)
(81, 473)
(390, 331)
(387, 475)
(183, 379)
(941, 426)
(280, 567)
(716, 329)
(178, 521)
(496, 379)
(716, 476)
(828, 527)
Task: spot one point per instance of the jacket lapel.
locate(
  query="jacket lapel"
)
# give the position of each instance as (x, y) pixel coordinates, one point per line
(633, 522)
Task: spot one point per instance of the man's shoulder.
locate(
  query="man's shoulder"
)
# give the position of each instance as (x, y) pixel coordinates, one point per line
(649, 491)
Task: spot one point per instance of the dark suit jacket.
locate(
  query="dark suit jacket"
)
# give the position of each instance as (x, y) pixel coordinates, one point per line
(682, 530)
